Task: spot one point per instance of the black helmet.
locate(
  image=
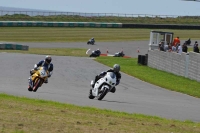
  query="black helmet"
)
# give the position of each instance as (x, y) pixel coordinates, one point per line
(48, 59)
(116, 68)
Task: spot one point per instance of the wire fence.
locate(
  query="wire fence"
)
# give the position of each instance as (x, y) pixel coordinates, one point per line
(96, 17)
(39, 13)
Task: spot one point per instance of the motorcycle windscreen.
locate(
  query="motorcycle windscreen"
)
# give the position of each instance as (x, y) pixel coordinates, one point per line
(112, 75)
(43, 72)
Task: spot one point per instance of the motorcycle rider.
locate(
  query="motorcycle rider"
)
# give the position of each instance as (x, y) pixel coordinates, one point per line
(115, 69)
(92, 39)
(45, 63)
(121, 53)
(98, 52)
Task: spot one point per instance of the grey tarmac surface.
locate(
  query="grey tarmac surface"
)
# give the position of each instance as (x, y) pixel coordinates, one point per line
(70, 83)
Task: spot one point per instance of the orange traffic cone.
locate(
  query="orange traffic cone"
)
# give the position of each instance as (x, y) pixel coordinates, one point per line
(138, 50)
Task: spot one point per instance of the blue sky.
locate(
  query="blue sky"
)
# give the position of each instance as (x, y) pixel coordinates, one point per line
(154, 7)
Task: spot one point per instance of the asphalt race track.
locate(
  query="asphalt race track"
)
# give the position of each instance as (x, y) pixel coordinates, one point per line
(70, 83)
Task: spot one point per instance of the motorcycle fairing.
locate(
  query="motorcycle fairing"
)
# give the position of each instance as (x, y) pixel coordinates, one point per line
(108, 81)
(41, 72)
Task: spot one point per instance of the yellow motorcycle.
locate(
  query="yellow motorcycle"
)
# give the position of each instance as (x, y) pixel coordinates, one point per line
(38, 78)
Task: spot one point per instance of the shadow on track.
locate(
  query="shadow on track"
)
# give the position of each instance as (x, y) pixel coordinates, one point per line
(116, 102)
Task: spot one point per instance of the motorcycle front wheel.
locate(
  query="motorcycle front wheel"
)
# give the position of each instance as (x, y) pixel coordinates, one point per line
(103, 93)
(37, 83)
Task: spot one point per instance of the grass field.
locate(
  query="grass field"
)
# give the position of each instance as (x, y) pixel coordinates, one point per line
(46, 34)
(23, 115)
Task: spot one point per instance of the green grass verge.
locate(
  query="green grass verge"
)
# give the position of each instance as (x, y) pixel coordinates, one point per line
(154, 76)
(52, 51)
(24, 115)
(58, 34)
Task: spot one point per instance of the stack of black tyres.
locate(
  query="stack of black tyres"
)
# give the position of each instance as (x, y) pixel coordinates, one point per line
(142, 59)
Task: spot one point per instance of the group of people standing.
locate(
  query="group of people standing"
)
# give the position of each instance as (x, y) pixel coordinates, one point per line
(177, 47)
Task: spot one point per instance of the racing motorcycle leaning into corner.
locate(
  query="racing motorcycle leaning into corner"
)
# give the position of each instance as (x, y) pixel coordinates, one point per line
(95, 53)
(91, 41)
(38, 78)
(40, 74)
(119, 54)
(103, 86)
(105, 82)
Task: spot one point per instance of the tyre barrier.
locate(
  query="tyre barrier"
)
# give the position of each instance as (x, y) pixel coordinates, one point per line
(94, 25)
(10, 46)
(143, 59)
(58, 24)
(162, 26)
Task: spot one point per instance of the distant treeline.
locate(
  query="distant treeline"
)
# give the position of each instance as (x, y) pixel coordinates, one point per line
(191, 20)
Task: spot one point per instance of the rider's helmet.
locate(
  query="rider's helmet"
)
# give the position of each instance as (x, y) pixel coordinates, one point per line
(48, 59)
(116, 68)
(93, 38)
(98, 49)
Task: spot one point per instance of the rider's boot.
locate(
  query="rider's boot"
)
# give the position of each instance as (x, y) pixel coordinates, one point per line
(113, 90)
(30, 84)
(46, 81)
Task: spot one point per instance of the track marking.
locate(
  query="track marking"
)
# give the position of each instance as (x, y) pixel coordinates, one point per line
(87, 51)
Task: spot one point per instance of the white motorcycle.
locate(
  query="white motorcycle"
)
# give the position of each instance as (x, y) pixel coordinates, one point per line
(103, 86)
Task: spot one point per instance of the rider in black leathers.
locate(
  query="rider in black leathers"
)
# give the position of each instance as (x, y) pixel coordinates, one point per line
(188, 42)
(92, 40)
(98, 52)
